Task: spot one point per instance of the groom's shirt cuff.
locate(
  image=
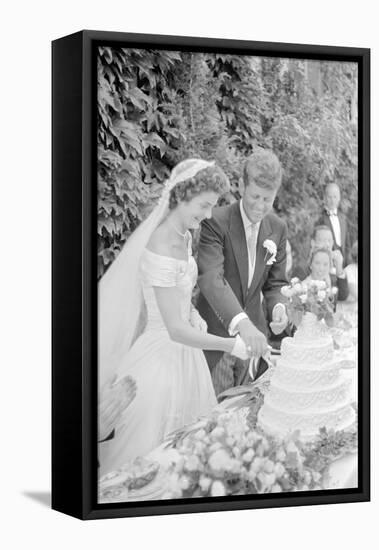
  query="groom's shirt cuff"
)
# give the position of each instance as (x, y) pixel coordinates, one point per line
(234, 323)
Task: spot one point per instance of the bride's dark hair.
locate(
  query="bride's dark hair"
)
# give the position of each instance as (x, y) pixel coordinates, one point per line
(209, 179)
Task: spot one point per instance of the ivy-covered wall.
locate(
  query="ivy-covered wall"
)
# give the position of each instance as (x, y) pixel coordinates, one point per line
(156, 108)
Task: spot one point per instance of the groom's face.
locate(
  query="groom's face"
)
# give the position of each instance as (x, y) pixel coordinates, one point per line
(257, 201)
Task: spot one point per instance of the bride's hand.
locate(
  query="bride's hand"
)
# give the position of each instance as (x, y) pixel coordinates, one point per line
(239, 349)
(197, 321)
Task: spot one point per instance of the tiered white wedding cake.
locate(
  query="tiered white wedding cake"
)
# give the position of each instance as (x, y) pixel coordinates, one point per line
(307, 391)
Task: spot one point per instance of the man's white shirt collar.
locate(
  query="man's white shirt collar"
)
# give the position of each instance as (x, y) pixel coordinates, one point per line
(245, 220)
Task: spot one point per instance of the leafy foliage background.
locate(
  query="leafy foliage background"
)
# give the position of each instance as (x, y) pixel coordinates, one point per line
(156, 108)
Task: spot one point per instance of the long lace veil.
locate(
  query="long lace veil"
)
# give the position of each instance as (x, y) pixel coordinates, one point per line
(119, 292)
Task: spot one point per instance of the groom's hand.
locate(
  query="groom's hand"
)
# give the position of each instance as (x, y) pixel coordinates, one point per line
(255, 340)
(279, 319)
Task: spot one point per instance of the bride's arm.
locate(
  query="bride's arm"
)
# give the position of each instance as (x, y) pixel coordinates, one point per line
(196, 320)
(180, 331)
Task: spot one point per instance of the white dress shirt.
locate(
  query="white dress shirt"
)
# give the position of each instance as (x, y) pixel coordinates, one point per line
(248, 226)
(335, 225)
(248, 229)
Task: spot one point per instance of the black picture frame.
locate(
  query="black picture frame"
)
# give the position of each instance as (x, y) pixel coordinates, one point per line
(74, 292)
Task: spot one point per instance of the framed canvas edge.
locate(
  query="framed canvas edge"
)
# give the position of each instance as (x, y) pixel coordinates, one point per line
(170, 41)
(85, 506)
(66, 473)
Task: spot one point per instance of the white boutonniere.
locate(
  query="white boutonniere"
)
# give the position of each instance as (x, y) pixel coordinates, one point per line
(271, 249)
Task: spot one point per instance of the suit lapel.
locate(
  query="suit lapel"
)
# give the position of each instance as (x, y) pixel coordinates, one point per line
(328, 223)
(343, 229)
(265, 232)
(238, 240)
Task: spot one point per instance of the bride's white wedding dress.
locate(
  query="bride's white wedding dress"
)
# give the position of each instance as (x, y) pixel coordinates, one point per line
(174, 385)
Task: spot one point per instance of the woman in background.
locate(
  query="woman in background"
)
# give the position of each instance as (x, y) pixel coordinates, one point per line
(320, 266)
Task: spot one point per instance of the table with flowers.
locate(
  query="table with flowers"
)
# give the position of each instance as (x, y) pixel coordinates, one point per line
(228, 454)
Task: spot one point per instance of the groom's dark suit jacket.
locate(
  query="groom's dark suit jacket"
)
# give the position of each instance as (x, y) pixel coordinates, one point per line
(223, 272)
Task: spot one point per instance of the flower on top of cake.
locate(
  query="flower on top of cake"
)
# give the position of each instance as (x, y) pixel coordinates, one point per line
(309, 296)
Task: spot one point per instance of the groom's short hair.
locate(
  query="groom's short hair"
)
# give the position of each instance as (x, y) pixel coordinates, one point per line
(264, 169)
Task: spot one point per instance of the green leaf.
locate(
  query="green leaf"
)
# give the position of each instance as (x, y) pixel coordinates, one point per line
(108, 55)
(154, 140)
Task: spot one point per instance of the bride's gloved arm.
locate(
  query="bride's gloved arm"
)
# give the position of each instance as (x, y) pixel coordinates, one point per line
(180, 331)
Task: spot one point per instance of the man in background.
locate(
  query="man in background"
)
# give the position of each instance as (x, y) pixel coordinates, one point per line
(335, 220)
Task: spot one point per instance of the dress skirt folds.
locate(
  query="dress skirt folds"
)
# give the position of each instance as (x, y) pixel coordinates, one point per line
(174, 385)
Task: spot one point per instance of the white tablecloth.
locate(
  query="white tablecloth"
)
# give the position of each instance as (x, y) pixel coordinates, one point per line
(343, 473)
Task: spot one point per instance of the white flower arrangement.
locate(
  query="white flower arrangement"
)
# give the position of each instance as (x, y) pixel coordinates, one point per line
(271, 249)
(234, 459)
(309, 296)
(227, 454)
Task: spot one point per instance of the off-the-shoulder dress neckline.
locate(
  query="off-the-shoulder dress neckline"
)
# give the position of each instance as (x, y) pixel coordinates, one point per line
(189, 254)
(170, 257)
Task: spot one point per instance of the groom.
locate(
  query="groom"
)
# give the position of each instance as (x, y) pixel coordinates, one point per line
(242, 260)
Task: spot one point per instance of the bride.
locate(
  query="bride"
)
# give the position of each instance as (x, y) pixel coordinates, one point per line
(148, 328)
